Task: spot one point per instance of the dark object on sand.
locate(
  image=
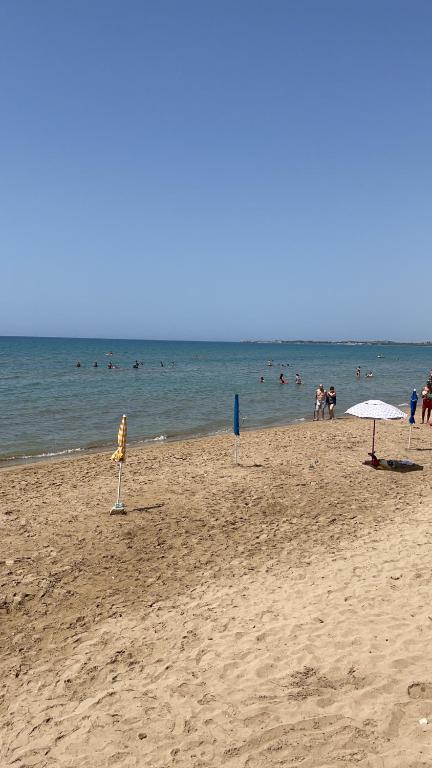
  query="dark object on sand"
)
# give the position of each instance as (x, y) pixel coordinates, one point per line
(395, 465)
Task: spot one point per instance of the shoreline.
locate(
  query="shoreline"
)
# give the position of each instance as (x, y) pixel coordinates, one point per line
(103, 449)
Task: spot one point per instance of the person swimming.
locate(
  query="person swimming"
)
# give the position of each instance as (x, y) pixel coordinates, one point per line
(298, 379)
(262, 379)
(136, 364)
(369, 375)
(282, 379)
(95, 365)
(110, 365)
(78, 364)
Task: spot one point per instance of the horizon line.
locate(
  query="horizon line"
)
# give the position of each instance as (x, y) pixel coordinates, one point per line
(224, 341)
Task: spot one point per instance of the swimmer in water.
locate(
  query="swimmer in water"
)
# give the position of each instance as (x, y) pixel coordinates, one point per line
(298, 379)
(110, 365)
(78, 365)
(262, 379)
(282, 379)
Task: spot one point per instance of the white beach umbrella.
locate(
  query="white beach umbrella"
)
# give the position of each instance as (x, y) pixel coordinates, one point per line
(375, 409)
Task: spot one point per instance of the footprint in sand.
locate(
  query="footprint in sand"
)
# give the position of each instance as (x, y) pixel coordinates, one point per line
(420, 691)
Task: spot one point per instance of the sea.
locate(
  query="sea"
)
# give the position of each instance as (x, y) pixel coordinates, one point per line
(50, 407)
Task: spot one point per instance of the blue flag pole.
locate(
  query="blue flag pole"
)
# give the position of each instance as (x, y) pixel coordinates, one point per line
(236, 427)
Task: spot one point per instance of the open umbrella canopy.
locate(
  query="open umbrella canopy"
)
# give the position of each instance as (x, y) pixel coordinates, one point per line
(375, 409)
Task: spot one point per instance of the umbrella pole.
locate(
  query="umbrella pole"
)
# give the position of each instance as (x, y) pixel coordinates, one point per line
(119, 482)
(373, 439)
(236, 449)
(119, 507)
(409, 438)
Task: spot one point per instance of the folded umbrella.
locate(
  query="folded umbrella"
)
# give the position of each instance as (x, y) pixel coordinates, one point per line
(120, 456)
(236, 426)
(413, 406)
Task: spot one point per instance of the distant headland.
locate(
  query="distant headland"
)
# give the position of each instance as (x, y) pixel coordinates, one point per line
(348, 342)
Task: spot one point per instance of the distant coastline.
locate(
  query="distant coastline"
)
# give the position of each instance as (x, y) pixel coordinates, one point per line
(348, 342)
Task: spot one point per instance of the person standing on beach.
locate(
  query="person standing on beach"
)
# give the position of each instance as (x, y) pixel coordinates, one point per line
(320, 402)
(331, 402)
(426, 403)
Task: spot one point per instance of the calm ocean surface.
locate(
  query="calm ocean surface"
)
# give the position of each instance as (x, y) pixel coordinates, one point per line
(48, 406)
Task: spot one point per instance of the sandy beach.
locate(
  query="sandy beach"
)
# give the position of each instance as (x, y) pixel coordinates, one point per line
(275, 613)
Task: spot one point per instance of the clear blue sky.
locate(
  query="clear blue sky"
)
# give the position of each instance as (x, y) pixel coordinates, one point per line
(231, 169)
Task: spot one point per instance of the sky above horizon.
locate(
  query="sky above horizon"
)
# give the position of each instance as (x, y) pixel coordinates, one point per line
(215, 170)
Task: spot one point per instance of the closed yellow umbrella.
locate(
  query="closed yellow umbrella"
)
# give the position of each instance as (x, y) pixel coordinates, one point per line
(120, 456)
(120, 453)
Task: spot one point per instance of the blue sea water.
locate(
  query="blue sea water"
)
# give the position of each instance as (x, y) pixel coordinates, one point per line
(48, 406)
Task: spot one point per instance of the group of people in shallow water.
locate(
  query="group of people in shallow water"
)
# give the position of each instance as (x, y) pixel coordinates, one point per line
(135, 365)
(283, 379)
(358, 373)
(324, 399)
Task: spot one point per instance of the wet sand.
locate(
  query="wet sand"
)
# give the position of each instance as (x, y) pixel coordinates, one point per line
(275, 613)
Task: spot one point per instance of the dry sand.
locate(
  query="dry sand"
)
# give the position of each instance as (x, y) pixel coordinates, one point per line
(275, 613)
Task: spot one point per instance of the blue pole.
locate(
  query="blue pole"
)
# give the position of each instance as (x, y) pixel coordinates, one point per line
(236, 426)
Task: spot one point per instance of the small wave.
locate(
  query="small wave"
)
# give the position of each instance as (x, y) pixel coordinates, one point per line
(154, 439)
(220, 432)
(48, 455)
(402, 404)
(295, 420)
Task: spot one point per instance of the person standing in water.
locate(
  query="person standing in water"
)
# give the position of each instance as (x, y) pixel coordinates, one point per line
(331, 402)
(282, 379)
(358, 372)
(320, 402)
